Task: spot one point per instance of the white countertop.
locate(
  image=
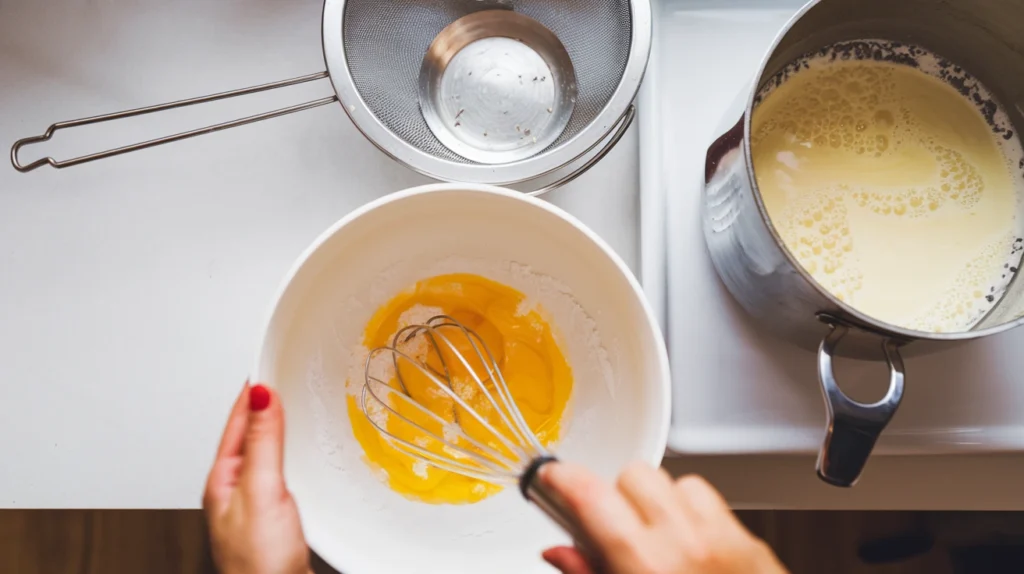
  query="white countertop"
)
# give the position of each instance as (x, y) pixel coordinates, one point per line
(132, 290)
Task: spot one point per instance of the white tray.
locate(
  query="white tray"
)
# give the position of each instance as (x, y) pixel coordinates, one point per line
(737, 388)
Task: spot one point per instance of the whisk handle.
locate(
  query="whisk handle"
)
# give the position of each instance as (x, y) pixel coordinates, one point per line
(556, 508)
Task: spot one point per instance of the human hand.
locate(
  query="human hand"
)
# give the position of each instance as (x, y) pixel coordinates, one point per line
(253, 521)
(650, 524)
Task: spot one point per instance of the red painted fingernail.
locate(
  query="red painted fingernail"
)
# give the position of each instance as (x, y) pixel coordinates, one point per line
(259, 398)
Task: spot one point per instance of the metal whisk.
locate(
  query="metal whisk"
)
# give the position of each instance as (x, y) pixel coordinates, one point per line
(431, 353)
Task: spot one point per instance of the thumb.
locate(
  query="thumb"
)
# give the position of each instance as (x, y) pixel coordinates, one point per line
(263, 450)
(567, 559)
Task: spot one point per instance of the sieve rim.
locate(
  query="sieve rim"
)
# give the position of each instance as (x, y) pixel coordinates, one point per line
(527, 169)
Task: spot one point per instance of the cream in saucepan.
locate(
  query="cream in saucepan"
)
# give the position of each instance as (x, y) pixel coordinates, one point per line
(895, 180)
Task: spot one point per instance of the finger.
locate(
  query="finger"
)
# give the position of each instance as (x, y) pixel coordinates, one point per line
(568, 560)
(604, 514)
(234, 430)
(222, 480)
(650, 491)
(227, 462)
(263, 448)
(702, 501)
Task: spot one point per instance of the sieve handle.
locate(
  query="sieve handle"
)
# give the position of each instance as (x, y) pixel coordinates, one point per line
(159, 108)
(624, 122)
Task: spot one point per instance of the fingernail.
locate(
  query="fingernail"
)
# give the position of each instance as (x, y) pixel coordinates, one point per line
(259, 398)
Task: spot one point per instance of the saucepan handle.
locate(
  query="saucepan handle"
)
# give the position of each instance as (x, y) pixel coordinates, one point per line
(853, 427)
(159, 108)
(623, 124)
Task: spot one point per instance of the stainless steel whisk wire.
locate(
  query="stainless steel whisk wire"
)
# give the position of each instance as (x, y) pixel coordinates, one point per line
(524, 456)
(503, 469)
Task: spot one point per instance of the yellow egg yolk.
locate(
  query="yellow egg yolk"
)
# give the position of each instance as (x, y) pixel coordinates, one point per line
(524, 349)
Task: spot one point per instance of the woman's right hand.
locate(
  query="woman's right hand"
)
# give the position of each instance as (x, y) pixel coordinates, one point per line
(649, 524)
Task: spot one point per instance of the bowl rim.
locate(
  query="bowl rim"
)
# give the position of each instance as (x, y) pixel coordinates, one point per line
(318, 541)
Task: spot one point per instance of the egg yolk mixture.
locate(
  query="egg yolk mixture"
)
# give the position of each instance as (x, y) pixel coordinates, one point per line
(524, 349)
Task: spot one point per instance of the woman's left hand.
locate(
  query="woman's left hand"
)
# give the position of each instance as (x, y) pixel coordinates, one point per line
(254, 523)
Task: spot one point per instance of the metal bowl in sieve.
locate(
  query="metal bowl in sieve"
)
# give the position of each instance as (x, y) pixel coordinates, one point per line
(496, 87)
(402, 72)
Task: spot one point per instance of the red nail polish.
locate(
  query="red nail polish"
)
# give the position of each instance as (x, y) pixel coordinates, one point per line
(259, 398)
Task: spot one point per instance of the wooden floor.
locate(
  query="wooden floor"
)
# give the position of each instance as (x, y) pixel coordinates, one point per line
(174, 542)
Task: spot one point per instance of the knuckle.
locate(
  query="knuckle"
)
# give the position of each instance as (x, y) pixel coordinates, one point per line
(704, 556)
(585, 494)
(262, 433)
(257, 429)
(704, 550)
(633, 473)
(260, 480)
(709, 562)
(696, 487)
(648, 566)
(620, 544)
(657, 564)
(693, 483)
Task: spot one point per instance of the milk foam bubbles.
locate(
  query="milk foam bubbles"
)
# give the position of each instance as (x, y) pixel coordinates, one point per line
(896, 182)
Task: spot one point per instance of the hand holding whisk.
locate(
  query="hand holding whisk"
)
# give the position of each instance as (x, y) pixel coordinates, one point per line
(442, 399)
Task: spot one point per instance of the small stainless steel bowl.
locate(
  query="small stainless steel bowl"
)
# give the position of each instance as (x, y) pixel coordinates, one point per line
(497, 86)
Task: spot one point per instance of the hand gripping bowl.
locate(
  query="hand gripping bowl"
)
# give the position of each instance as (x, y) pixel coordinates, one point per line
(619, 410)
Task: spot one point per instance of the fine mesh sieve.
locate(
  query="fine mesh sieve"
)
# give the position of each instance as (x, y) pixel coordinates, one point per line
(375, 49)
(596, 34)
(381, 46)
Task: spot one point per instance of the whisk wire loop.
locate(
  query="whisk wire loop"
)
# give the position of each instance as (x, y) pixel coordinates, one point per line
(520, 429)
(501, 460)
(496, 458)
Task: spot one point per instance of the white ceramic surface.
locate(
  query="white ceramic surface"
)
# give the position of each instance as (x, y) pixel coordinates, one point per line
(350, 517)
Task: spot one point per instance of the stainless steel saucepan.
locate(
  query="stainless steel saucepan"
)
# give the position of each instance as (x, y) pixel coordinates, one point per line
(986, 37)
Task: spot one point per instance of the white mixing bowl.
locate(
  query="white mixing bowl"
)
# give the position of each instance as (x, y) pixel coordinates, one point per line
(619, 410)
